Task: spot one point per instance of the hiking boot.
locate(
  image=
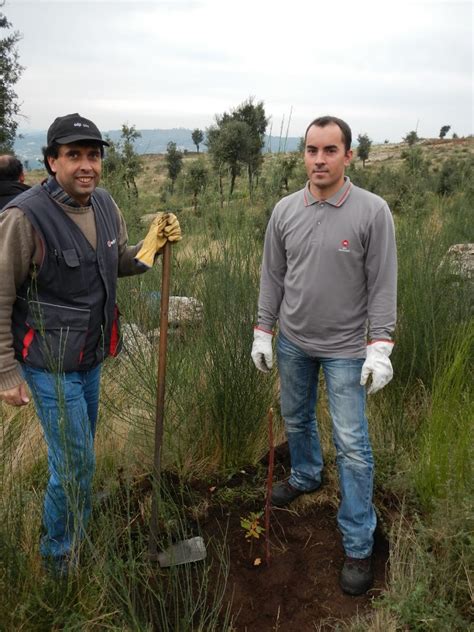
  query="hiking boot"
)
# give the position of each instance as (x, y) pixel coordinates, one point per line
(357, 575)
(60, 567)
(284, 493)
(57, 567)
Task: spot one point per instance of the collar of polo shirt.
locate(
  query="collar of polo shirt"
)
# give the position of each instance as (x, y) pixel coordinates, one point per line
(337, 199)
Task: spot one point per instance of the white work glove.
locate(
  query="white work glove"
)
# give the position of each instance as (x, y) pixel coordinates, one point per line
(262, 352)
(378, 365)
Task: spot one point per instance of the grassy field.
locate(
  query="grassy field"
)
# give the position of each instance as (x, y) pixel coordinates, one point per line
(216, 412)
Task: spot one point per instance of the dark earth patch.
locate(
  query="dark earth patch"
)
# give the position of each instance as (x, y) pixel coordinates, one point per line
(299, 589)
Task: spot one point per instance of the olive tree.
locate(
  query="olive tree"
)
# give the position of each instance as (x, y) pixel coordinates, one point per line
(411, 138)
(229, 145)
(444, 130)
(253, 114)
(363, 148)
(10, 72)
(197, 179)
(122, 161)
(237, 140)
(197, 136)
(174, 162)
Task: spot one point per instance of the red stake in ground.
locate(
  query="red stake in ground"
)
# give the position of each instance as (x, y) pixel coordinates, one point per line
(271, 455)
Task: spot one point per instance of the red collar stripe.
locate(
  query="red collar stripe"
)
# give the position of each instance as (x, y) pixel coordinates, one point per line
(343, 197)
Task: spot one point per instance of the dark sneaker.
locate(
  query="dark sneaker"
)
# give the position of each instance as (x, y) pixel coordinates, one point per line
(283, 493)
(60, 567)
(357, 575)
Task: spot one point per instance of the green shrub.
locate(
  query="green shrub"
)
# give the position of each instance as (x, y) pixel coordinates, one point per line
(455, 175)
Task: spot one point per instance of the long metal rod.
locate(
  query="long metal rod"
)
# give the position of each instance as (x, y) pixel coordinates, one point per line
(160, 397)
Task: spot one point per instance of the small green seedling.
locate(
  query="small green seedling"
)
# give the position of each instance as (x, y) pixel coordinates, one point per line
(252, 525)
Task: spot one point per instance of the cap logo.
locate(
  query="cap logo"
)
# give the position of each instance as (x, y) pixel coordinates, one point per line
(81, 125)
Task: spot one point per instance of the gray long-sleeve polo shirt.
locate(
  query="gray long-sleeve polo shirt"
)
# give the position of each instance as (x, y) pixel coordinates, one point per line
(329, 272)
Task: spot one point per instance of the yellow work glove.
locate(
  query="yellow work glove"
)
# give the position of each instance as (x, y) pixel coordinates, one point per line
(172, 230)
(165, 227)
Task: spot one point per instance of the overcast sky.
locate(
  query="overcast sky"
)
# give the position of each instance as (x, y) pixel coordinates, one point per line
(385, 66)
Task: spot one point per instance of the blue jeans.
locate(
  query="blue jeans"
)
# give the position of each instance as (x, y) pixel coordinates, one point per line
(67, 405)
(298, 392)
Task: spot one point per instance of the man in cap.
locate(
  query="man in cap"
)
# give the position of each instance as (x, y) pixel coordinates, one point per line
(329, 276)
(64, 243)
(12, 179)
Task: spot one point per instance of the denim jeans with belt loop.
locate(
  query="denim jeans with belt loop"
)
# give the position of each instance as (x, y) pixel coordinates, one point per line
(298, 394)
(67, 405)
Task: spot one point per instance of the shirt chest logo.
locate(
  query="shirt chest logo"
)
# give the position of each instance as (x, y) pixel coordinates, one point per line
(344, 246)
(111, 242)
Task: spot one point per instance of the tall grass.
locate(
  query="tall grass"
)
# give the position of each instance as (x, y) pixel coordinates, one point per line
(429, 571)
(216, 401)
(116, 587)
(445, 465)
(432, 305)
(234, 397)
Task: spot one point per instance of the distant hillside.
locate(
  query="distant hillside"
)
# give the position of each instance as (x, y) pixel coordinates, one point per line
(152, 141)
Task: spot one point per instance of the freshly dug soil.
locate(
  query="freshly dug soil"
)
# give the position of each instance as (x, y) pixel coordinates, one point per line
(299, 589)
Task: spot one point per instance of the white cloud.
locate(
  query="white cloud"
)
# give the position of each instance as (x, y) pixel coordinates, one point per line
(382, 65)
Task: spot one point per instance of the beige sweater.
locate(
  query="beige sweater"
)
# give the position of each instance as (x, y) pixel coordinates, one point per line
(20, 252)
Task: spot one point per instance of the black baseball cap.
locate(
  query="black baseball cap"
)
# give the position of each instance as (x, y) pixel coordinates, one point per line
(72, 128)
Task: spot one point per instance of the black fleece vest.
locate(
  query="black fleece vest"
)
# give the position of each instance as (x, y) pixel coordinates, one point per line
(65, 318)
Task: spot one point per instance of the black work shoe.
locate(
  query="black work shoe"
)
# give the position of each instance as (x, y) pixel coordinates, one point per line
(60, 567)
(357, 575)
(283, 493)
(57, 567)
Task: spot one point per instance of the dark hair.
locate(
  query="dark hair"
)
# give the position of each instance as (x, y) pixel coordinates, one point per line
(10, 168)
(322, 121)
(52, 151)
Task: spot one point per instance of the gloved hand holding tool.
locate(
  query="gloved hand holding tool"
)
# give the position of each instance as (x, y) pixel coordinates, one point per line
(165, 227)
(262, 352)
(378, 365)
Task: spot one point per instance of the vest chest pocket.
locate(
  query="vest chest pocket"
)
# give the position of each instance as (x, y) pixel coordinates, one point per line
(73, 273)
(56, 336)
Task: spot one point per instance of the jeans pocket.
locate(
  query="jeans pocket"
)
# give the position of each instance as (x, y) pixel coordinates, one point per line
(56, 337)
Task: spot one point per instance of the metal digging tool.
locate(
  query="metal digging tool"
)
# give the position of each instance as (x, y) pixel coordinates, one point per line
(193, 549)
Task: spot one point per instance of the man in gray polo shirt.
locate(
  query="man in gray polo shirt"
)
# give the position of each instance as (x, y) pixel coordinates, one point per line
(329, 277)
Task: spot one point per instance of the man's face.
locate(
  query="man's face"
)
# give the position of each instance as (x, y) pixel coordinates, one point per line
(325, 159)
(77, 169)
